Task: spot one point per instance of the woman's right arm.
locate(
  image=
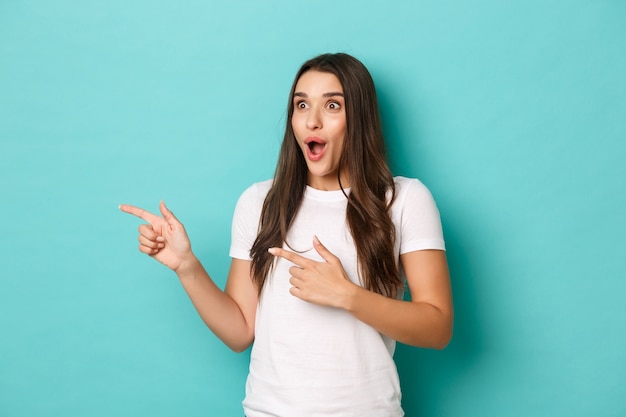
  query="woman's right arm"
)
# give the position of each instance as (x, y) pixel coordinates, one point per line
(230, 314)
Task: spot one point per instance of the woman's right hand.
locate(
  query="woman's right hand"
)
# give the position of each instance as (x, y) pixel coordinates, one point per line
(163, 238)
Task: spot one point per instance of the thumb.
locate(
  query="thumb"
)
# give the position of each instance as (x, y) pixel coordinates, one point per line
(169, 217)
(324, 253)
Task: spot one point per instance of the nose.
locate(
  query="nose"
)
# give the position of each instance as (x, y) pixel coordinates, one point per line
(313, 119)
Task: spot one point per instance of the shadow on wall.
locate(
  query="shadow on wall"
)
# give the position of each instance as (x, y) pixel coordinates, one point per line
(428, 377)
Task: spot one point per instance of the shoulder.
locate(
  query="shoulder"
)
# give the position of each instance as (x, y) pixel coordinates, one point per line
(250, 202)
(413, 195)
(256, 192)
(248, 211)
(410, 187)
(416, 216)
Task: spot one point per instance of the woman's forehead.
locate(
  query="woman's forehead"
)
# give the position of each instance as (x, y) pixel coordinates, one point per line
(315, 82)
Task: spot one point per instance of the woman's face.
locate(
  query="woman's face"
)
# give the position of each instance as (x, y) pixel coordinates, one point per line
(319, 123)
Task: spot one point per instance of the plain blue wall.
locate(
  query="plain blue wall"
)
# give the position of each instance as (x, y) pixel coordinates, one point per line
(512, 112)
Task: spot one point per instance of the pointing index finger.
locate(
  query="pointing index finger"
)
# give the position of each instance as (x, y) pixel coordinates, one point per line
(139, 212)
(300, 261)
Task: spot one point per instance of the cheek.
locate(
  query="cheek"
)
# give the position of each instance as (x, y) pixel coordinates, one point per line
(295, 123)
(340, 128)
(340, 123)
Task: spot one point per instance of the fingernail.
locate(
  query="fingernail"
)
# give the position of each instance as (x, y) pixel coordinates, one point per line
(160, 239)
(315, 239)
(272, 251)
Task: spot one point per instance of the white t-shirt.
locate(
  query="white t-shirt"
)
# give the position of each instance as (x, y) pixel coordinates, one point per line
(309, 360)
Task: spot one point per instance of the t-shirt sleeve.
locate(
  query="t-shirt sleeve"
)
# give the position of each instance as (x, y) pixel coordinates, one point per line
(420, 220)
(246, 222)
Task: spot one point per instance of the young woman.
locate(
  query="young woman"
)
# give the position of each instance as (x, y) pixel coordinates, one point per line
(320, 256)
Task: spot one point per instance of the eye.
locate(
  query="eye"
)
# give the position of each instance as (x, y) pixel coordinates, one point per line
(301, 105)
(333, 105)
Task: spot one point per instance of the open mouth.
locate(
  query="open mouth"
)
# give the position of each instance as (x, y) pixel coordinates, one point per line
(316, 146)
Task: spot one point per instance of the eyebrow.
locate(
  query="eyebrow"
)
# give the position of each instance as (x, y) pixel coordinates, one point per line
(329, 94)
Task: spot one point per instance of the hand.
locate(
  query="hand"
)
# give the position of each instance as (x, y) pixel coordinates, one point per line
(163, 238)
(323, 283)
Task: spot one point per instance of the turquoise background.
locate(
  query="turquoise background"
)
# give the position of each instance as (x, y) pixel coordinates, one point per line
(512, 112)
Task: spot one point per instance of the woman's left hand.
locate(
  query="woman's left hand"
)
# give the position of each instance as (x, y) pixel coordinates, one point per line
(324, 283)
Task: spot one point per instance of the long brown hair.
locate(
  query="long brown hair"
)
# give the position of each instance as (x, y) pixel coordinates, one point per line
(371, 182)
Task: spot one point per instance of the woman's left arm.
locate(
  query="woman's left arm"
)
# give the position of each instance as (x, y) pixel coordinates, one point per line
(425, 321)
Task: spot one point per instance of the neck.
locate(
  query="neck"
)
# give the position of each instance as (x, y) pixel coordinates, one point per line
(329, 183)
